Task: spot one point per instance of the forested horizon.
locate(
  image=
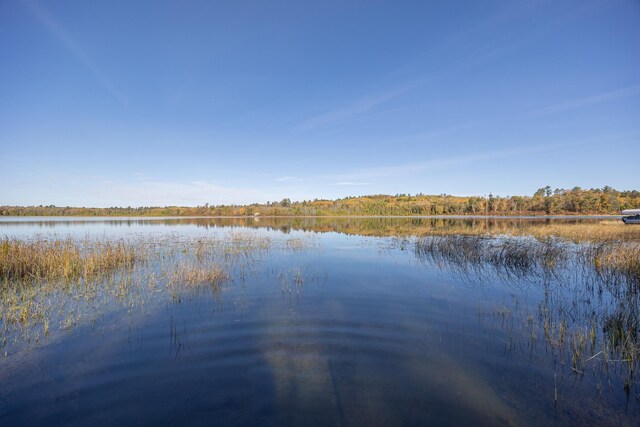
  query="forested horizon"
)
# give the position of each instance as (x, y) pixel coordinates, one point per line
(545, 201)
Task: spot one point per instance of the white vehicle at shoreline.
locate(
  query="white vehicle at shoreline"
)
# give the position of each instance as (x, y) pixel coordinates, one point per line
(632, 216)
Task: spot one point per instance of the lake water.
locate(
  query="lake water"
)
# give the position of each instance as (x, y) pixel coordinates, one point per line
(321, 322)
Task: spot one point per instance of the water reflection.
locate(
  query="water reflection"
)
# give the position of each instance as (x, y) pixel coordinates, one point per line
(300, 321)
(367, 226)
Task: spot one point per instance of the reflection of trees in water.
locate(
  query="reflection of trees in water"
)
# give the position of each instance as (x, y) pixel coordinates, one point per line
(589, 312)
(381, 226)
(369, 226)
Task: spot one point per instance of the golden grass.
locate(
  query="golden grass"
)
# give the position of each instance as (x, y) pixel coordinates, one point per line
(610, 248)
(613, 261)
(605, 333)
(67, 281)
(603, 231)
(63, 259)
(195, 275)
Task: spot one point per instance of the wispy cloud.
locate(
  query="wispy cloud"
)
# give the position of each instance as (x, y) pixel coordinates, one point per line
(572, 104)
(63, 36)
(394, 171)
(355, 108)
(587, 101)
(446, 131)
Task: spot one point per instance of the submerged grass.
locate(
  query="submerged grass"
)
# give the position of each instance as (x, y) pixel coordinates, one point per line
(49, 281)
(590, 313)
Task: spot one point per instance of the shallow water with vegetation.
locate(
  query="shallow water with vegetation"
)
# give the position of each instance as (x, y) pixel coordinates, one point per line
(319, 321)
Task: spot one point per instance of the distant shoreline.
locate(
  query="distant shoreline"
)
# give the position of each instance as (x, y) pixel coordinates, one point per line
(156, 217)
(545, 202)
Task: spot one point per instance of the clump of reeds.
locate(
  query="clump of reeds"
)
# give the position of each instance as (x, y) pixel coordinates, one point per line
(513, 256)
(46, 281)
(197, 275)
(292, 280)
(63, 259)
(296, 244)
(244, 242)
(34, 272)
(612, 262)
(602, 231)
(590, 328)
(460, 250)
(616, 262)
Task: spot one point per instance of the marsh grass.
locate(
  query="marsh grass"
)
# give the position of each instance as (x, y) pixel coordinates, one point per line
(527, 256)
(578, 341)
(35, 273)
(49, 283)
(615, 262)
(589, 317)
(599, 232)
(299, 244)
(64, 259)
(481, 257)
(193, 275)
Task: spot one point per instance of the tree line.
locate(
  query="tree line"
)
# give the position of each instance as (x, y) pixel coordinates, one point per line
(545, 201)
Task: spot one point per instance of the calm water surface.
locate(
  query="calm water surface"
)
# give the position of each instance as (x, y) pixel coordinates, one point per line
(340, 322)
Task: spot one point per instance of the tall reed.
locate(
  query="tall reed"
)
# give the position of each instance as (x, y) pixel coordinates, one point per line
(63, 259)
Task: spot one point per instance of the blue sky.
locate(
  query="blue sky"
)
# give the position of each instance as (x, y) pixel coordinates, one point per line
(192, 102)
